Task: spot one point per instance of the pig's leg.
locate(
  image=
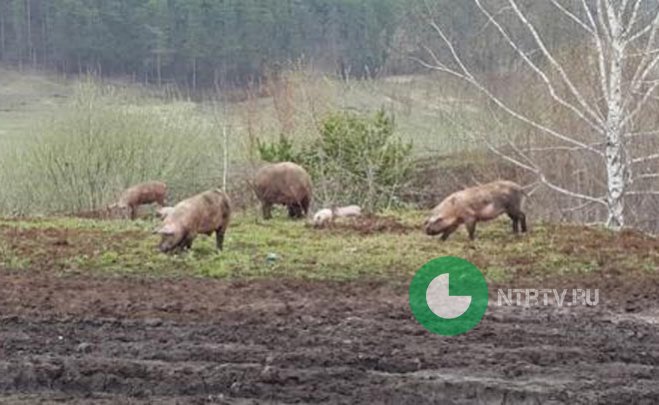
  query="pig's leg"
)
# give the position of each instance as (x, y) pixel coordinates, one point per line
(522, 220)
(133, 212)
(515, 220)
(305, 206)
(299, 211)
(295, 210)
(471, 229)
(219, 238)
(187, 243)
(291, 210)
(519, 218)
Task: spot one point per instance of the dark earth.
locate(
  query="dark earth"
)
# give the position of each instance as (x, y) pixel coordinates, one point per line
(91, 340)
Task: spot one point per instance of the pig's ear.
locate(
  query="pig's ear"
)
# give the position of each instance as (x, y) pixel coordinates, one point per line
(168, 229)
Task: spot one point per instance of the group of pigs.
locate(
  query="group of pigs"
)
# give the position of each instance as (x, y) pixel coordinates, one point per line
(290, 185)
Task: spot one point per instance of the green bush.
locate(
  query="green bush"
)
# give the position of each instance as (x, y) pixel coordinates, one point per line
(356, 159)
(280, 151)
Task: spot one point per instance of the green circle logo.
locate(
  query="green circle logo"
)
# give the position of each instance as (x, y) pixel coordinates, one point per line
(448, 296)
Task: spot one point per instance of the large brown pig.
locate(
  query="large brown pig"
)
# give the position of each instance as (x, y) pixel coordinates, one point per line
(475, 204)
(141, 194)
(203, 213)
(284, 183)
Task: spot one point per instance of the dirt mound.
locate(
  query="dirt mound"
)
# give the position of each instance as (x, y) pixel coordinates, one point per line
(87, 340)
(371, 224)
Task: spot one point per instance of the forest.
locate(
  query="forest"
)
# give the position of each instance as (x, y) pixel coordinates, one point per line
(197, 42)
(228, 43)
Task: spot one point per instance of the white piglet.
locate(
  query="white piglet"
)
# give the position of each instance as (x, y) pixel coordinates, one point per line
(348, 211)
(322, 217)
(327, 216)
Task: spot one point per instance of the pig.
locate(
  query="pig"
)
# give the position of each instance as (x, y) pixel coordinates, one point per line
(475, 204)
(141, 194)
(284, 183)
(204, 213)
(348, 211)
(162, 212)
(328, 215)
(323, 217)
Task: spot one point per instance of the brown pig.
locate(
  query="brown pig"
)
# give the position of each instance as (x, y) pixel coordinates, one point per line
(141, 194)
(284, 183)
(476, 204)
(203, 213)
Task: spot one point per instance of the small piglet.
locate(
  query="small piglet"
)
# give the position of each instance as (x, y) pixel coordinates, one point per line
(141, 194)
(348, 211)
(323, 217)
(327, 216)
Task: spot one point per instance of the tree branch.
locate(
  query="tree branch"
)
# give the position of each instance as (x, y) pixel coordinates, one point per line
(640, 104)
(531, 166)
(575, 92)
(468, 77)
(648, 192)
(646, 176)
(645, 158)
(641, 134)
(646, 64)
(562, 148)
(573, 17)
(552, 91)
(632, 18)
(601, 56)
(600, 200)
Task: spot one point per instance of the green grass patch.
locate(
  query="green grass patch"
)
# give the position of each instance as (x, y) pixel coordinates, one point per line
(281, 248)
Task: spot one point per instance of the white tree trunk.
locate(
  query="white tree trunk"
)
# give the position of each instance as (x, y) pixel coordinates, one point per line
(615, 149)
(625, 36)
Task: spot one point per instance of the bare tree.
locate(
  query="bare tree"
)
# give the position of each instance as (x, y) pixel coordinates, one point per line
(621, 38)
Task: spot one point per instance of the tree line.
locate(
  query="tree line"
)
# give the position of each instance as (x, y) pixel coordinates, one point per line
(197, 42)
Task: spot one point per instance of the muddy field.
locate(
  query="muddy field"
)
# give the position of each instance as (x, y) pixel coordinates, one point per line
(118, 340)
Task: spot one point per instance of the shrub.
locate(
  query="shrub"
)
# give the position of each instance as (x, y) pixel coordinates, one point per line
(280, 151)
(103, 142)
(355, 159)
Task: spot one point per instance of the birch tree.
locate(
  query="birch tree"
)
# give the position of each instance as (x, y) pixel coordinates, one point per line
(621, 38)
